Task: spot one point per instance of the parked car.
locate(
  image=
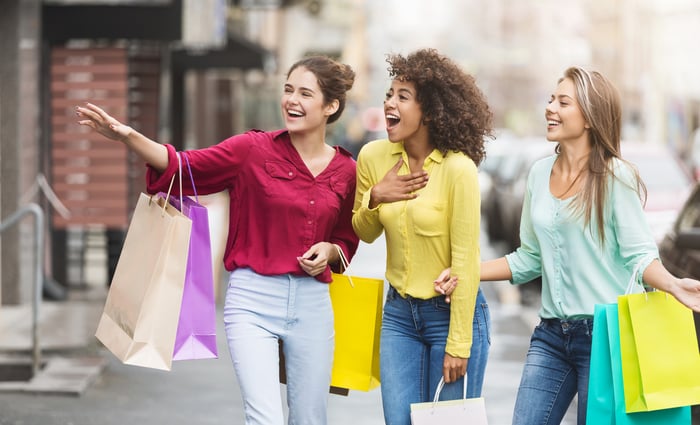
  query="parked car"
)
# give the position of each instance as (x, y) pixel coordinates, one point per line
(680, 253)
(503, 204)
(667, 179)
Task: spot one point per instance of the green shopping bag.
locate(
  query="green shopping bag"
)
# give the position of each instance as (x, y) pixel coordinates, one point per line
(606, 400)
(660, 356)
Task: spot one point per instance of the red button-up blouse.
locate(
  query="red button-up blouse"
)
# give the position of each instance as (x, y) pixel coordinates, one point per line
(278, 209)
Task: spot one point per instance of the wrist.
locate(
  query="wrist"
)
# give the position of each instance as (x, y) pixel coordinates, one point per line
(373, 199)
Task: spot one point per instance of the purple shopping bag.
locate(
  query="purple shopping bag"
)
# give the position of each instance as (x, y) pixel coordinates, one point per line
(196, 329)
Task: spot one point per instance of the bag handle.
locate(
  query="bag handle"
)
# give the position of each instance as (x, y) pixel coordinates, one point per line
(343, 262)
(635, 277)
(170, 187)
(189, 171)
(442, 384)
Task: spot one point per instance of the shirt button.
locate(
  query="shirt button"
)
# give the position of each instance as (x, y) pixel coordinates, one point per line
(291, 174)
(312, 202)
(309, 222)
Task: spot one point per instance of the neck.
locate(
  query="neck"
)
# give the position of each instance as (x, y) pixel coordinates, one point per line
(573, 160)
(309, 142)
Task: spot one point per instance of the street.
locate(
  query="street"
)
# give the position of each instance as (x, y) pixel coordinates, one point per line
(205, 391)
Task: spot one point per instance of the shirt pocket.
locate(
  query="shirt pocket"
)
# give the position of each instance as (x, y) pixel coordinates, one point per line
(429, 219)
(279, 180)
(338, 190)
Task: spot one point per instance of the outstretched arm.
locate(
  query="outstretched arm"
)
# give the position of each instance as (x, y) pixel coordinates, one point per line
(150, 151)
(497, 269)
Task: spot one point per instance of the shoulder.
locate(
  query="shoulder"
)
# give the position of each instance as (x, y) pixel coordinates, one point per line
(541, 168)
(345, 161)
(623, 170)
(254, 135)
(459, 162)
(543, 165)
(376, 147)
(378, 154)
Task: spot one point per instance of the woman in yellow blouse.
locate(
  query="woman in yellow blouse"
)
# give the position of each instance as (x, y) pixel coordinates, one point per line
(420, 187)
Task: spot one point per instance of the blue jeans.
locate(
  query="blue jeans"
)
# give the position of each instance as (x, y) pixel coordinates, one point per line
(258, 311)
(556, 368)
(412, 351)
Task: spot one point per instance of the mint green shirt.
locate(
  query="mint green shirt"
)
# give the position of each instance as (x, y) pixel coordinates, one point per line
(577, 272)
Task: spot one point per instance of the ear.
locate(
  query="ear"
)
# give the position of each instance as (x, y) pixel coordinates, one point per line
(332, 108)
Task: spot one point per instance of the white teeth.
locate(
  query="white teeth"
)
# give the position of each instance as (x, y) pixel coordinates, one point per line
(295, 113)
(392, 117)
(551, 122)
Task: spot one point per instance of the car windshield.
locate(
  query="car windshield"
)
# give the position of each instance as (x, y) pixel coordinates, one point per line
(659, 173)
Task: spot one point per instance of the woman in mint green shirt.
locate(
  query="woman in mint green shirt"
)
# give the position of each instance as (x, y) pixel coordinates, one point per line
(583, 231)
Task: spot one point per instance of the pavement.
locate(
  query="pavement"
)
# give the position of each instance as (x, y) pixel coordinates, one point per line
(83, 384)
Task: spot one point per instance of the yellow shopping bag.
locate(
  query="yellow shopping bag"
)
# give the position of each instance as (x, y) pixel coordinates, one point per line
(660, 356)
(357, 306)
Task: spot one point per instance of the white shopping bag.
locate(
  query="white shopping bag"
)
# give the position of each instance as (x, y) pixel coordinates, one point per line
(470, 411)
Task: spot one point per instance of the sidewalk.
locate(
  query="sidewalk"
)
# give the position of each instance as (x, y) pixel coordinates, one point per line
(206, 392)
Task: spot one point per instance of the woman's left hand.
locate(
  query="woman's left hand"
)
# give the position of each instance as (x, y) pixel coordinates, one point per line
(453, 368)
(445, 284)
(316, 259)
(688, 293)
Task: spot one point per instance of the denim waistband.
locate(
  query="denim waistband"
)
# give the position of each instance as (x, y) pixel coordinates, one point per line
(570, 324)
(392, 293)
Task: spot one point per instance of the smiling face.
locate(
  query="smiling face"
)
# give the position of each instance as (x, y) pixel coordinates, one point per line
(404, 117)
(565, 120)
(302, 102)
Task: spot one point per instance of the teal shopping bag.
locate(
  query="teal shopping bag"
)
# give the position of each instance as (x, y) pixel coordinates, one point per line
(606, 398)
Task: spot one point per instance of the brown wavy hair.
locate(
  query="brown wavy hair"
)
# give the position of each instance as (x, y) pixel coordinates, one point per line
(455, 110)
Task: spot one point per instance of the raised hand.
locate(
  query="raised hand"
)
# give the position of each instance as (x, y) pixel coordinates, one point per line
(103, 123)
(394, 187)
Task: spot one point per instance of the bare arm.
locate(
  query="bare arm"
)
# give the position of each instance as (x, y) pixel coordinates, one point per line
(150, 151)
(687, 291)
(497, 269)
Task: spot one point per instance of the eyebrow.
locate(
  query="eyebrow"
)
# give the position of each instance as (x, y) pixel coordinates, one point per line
(300, 88)
(562, 96)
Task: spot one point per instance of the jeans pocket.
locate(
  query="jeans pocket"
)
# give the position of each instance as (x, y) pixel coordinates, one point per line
(484, 320)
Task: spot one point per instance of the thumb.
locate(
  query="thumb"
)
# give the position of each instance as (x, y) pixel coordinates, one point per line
(121, 130)
(397, 166)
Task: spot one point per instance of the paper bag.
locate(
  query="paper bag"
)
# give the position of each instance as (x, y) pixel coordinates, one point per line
(139, 321)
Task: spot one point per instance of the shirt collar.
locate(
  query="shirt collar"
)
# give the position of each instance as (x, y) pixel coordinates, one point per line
(435, 155)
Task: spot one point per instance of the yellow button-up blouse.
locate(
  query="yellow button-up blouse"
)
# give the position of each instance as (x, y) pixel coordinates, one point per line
(425, 235)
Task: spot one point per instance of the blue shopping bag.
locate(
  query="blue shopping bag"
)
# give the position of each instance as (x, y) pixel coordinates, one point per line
(606, 398)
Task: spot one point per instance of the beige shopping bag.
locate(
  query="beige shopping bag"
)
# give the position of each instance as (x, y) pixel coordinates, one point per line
(140, 317)
(218, 206)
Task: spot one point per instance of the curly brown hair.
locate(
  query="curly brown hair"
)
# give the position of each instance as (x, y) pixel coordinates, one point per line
(456, 112)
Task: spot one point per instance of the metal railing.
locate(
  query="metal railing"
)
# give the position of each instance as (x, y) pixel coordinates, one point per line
(33, 208)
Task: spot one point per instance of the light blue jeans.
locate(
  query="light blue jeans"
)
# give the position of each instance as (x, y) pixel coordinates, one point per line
(258, 311)
(412, 351)
(556, 368)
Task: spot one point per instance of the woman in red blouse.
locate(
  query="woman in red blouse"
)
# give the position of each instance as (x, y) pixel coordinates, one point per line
(291, 209)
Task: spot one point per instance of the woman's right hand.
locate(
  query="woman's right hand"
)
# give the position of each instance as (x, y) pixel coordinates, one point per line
(103, 123)
(445, 284)
(394, 187)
